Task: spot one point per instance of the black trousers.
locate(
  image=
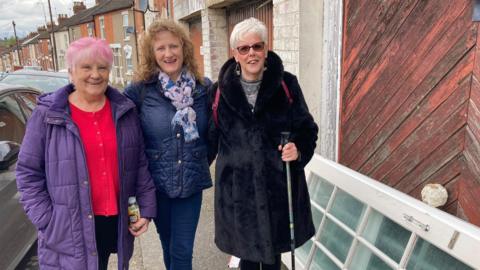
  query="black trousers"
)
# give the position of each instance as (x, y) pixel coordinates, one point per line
(106, 234)
(249, 265)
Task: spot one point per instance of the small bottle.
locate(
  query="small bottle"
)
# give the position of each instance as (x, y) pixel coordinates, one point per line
(133, 210)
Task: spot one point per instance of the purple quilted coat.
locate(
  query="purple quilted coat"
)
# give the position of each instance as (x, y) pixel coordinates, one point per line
(52, 178)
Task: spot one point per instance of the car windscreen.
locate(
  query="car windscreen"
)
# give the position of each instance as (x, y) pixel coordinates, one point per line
(43, 83)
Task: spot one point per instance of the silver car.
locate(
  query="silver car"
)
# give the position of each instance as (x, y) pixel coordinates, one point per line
(45, 81)
(17, 234)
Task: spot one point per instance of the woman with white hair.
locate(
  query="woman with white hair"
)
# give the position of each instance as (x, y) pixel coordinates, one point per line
(252, 103)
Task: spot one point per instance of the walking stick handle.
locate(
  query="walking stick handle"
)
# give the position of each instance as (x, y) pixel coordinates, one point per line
(284, 137)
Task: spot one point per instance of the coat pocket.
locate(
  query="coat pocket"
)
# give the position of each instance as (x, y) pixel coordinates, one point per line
(58, 233)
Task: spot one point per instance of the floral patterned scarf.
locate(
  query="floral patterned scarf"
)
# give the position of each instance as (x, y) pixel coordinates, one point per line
(180, 93)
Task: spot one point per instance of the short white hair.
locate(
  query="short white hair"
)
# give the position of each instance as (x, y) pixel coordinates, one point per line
(248, 26)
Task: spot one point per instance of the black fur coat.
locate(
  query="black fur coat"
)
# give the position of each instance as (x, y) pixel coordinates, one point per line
(251, 206)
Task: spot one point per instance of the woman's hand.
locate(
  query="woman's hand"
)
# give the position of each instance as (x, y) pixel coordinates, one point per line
(139, 227)
(289, 152)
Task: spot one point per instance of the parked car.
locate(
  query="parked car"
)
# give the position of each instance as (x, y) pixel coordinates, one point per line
(45, 81)
(32, 67)
(17, 233)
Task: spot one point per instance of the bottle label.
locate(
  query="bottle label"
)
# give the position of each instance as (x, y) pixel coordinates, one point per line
(133, 213)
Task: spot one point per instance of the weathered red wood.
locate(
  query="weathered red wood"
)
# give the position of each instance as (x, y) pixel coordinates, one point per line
(452, 190)
(444, 121)
(380, 47)
(439, 167)
(472, 136)
(412, 113)
(354, 22)
(424, 72)
(410, 97)
(408, 75)
(382, 65)
(468, 200)
(369, 28)
(446, 176)
(472, 154)
(452, 209)
(416, 120)
(407, 127)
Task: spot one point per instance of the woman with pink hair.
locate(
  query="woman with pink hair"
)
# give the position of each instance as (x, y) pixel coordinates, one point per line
(81, 160)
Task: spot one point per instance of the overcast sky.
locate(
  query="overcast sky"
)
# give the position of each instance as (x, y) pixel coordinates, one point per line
(28, 14)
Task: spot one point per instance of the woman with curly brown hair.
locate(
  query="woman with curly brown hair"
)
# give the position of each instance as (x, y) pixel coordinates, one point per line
(171, 100)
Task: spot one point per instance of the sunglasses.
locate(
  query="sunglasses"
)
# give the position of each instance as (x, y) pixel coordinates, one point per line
(258, 47)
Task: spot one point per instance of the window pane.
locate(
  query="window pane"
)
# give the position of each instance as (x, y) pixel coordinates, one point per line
(320, 190)
(365, 259)
(317, 217)
(321, 261)
(347, 209)
(303, 251)
(428, 257)
(386, 235)
(335, 239)
(12, 123)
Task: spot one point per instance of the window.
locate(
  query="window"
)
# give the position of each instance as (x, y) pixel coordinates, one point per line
(102, 27)
(90, 29)
(12, 121)
(125, 25)
(362, 224)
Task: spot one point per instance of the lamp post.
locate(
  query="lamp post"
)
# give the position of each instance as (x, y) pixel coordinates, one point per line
(19, 53)
(54, 56)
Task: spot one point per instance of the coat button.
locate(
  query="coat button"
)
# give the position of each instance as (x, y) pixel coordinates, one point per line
(178, 135)
(90, 216)
(85, 182)
(179, 161)
(94, 253)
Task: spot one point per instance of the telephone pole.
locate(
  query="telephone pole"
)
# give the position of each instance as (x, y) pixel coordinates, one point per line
(19, 53)
(54, 47)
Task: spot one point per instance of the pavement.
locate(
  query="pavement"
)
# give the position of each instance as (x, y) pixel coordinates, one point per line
(147, 254)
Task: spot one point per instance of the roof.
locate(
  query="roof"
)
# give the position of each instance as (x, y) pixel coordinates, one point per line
(39, 73)
(87, 15)
(31, 40)
(112, 5)
(4, 87)
(44, 35)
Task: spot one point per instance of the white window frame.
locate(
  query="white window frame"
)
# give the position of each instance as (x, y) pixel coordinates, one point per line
(453, 236)
(125, 24)
(90, 29)
(101, 19)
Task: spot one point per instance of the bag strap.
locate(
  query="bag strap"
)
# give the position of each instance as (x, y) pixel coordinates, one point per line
(215, 106)
(217, 100)
(287, 92)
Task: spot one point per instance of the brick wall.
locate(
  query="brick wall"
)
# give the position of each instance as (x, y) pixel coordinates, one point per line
(215, 41)
(286, 25)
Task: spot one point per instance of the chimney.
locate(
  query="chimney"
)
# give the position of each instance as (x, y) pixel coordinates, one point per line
(49, 26)
(41, 29)
(78, 6)
(62, 18)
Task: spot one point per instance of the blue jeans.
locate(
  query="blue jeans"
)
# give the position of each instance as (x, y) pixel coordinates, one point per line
(176, 223)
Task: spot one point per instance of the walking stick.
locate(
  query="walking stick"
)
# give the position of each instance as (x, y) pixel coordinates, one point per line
(284, 140)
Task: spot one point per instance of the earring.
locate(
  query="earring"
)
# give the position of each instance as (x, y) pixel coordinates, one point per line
(237, 69)
(265, 65)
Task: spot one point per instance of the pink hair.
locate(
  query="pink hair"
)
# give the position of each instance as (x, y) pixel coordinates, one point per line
(88, 48)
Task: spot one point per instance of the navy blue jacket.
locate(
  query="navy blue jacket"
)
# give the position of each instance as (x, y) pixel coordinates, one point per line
(179, 169)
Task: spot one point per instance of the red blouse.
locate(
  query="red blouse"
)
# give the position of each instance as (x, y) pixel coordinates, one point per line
(97, 131)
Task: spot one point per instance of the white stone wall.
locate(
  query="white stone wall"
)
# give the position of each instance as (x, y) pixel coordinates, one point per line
(286, 32)
(184, 8)
(215, 41)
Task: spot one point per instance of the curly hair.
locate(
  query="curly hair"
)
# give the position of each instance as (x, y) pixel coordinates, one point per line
(148, 66)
